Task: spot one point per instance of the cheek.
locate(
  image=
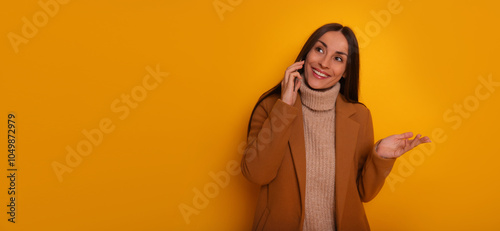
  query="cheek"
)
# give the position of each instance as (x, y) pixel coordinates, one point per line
(311, 57)
(340, 69)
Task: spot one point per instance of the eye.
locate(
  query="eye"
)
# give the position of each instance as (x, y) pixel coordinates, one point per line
(339, 59)
(319, 49)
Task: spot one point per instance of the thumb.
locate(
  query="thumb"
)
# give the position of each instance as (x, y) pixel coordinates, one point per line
(405, 135)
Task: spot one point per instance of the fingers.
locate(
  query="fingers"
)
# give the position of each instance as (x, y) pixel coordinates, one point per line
(416, 141)
(295, 66)
(401, 143)
(419, 140)
(294, 76)
(290, 75)
(426, 139)
(297, 83)
(290, 83)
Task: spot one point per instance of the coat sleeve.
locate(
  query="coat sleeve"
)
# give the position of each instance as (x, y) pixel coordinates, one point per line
(375, 169)
(267, 141)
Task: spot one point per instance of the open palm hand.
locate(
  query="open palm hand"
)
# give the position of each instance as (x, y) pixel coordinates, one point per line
(396, 145)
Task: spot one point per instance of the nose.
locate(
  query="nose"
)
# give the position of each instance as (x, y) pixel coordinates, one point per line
(323, 63)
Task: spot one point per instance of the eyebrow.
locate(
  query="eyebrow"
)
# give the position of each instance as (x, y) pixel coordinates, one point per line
(338, 52)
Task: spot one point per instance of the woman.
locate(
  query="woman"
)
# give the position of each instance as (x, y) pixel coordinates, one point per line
(310, 142)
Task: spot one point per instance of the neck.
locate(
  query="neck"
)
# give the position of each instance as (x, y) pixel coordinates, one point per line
(319, 100)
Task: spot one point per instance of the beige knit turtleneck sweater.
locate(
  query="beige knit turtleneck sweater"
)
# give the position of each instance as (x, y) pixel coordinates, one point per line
(318, 108)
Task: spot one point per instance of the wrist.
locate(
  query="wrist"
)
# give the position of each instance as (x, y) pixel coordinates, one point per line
(376, 145)
(377, 150)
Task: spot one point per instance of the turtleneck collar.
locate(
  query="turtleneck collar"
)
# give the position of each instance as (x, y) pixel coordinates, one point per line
(315, 100)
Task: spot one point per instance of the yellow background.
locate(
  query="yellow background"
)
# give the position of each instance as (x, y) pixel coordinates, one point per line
(416, 66)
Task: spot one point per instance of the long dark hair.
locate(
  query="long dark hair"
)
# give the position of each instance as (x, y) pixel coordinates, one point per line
(349, 84)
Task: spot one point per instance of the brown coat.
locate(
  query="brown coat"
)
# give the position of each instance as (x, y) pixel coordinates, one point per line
(275, 158)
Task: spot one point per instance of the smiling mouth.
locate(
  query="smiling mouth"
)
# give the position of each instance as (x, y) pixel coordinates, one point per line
(319, 74)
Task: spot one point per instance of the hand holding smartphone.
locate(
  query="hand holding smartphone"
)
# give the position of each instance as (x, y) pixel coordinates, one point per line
(291, 83)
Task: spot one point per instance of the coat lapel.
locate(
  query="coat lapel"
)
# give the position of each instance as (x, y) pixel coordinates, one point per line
(346, 133)
(298, 150)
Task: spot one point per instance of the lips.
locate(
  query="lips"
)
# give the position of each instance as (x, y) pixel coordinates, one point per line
(319, 74)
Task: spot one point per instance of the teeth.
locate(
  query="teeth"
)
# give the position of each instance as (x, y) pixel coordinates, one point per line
(319, 73)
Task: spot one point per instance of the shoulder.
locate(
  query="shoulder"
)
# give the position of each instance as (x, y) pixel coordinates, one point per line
(268, 102)
(357, 111)
(361, 109)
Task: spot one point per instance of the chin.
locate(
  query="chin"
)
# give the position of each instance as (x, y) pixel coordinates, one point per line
(317, 84)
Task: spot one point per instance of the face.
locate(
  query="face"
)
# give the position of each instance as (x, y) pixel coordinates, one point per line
(326, 62)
